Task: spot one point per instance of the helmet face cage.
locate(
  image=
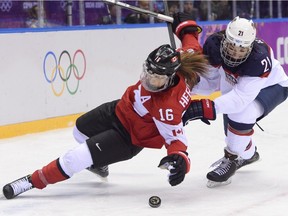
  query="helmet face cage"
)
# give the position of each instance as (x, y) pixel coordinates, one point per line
(237, 42)
(154, 82)
(233, 55)
(160, 68)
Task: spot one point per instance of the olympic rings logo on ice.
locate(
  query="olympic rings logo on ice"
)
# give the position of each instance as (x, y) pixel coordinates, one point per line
(5, 6)
(64, 66)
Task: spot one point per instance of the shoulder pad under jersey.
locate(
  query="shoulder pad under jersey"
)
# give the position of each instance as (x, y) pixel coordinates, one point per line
(259, 61)
(211, 48)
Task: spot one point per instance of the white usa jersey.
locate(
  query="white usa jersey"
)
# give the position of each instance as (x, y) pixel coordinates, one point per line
(239, 85)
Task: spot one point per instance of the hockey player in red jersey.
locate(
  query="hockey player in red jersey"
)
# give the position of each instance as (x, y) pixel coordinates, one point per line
(149, 115)
(82, 131)
(251, 81)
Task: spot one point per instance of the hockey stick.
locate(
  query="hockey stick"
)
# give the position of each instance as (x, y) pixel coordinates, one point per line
(169, 25)
(109, 13)
(140, 10)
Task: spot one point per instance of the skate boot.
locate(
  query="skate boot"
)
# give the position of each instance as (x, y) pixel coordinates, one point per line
(225, 168)
(17, 187)
(242, 162)
(100, 171)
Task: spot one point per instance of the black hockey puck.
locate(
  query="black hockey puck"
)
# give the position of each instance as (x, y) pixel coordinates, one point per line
(154, 201)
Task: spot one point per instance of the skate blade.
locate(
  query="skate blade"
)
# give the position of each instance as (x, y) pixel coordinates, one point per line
(103, 179)
(213, 184)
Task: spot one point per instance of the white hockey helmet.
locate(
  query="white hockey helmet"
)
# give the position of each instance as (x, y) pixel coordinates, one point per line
(238, 41)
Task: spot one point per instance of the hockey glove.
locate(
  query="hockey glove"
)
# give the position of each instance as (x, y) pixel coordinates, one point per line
(200, 109)
(178, 165)
(183, 23)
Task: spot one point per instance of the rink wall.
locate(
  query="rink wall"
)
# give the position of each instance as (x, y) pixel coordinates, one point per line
(51, 76)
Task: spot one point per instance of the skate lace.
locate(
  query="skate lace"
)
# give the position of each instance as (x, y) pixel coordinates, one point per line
(239, 162)
(223, 167)
(103, 168)
(21, 186)
(218, 162)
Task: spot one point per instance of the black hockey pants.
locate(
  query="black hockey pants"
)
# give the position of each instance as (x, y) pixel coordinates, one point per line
(109, 142)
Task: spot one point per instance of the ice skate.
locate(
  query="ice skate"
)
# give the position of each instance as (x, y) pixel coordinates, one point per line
(242, 162)
(222, 174)
(102, 172)
(17, 187)
(226, 168)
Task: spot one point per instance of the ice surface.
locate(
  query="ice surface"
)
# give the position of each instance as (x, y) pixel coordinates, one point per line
(260, 189)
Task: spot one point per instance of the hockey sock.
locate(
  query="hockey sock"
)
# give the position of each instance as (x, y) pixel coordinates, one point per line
(50, 174)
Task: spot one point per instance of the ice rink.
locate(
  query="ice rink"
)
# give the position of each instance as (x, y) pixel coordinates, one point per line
(256, 190)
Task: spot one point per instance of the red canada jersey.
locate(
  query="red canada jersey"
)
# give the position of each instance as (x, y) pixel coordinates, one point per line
(154, 119)
(190, 43)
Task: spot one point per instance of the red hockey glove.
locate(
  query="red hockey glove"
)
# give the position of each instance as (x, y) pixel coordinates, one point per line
(178, 165)
(200, 109)
(183, 23)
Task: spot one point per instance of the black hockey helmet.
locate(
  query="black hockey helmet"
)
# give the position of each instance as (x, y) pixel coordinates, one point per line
(160, 68)
(164, 60)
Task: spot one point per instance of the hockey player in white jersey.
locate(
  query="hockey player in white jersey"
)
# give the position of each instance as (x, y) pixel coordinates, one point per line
(251, 81)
